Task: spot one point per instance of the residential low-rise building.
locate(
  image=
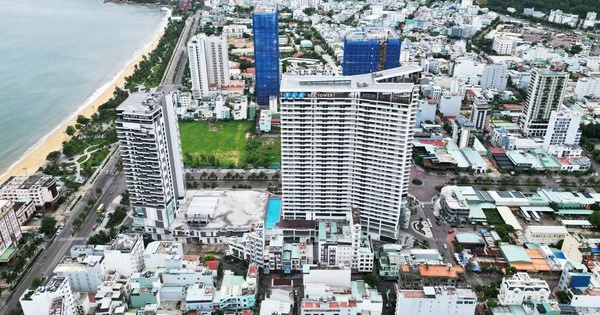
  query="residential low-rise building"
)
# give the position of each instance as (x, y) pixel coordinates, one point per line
(53, 298)
(199, 298)
(545, 234)
(435, 300)
(520, 288)
(125, 254)
(264, 123)
(237, 293)
(85, 272)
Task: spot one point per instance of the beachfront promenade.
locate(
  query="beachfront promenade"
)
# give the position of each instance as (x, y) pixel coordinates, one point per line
(113, 185)
(174, 74)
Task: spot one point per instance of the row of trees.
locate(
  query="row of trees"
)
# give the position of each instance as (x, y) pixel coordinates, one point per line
(26, 251)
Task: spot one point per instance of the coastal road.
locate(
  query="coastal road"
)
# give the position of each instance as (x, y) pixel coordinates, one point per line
(174, 74)
(112, 184)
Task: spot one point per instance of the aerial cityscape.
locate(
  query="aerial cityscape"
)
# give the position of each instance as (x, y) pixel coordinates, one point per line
(305, 157)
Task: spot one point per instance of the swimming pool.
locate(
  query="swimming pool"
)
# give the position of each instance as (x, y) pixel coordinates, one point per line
(273, 212)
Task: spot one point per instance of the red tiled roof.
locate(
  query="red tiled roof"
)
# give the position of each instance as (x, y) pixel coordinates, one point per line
(437, 143)
(497, 150)
(298, 54)
(212, 264)
(251, 70)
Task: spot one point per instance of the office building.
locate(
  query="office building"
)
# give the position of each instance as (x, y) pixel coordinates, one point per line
(479, 112)
(39, 187)
(521, 288)
(563, 128)
(494, 77)
(265, 26)
(209, 63)
(54, 298)
(370, 50)
(544, 95)
(10, 230)
(346, 143)
(125, 254)
(85, 272)
(436, 300)
(152, 160)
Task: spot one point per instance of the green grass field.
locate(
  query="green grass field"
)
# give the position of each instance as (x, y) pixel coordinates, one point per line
(215, 144)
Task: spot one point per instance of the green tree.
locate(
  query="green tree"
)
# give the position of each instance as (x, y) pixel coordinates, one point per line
(53, 156)
(371, 280)
(594, 218)
(209, 257)
(70, 130)
(48, 225)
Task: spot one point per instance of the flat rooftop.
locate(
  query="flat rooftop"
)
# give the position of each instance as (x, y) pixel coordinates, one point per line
(373, 33)
(265, 8)
(141, 103)
(228, 209)
(371, 82)
(124, 242)
(27, 182)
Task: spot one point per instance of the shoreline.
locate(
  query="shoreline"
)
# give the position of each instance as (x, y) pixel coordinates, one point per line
(35, 157)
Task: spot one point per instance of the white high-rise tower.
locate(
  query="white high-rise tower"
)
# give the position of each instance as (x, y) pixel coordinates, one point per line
(152, 159)
(209, 63)
(544, 95)
(346, 143)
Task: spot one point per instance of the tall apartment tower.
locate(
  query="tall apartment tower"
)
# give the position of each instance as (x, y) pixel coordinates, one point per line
(152, 159)
(265, 26)
(479, 112)
(346, 143)
(373, 49)
(209, 63)
(10, 230)
(56, 297)
(544, 95)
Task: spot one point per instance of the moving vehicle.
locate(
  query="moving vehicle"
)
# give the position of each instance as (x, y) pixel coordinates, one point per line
(100, 208)
(445, 246)
(94, 227)
(450, 231)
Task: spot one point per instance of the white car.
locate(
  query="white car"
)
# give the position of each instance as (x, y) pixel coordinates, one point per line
(445, 246)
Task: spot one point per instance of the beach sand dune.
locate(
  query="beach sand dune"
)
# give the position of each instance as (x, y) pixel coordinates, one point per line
(35, 158)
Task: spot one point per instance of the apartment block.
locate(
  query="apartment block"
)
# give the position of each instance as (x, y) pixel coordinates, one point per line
(209, 64)
(152, 160)
(346, 143)
(125, 254)
(370, 50)
(40, 188)
(265, 25)
(545, 94)
(10, 230)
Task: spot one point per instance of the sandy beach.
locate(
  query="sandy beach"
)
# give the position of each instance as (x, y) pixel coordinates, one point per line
(35, 158)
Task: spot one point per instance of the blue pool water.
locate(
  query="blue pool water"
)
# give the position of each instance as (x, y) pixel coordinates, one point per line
(273, 212)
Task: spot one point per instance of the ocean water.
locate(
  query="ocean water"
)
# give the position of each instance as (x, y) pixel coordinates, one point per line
(54, 54)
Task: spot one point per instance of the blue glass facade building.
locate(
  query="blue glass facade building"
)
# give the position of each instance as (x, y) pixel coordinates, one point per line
(367, 52)
(266, 52)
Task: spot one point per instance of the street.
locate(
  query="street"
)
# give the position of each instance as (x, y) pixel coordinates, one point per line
(112, 185)
(174, 74)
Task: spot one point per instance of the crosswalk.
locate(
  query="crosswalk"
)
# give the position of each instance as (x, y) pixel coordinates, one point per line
(71, 238)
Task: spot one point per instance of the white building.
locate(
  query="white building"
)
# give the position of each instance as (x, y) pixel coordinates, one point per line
(346, 143)
(590, 20)
(450, 104)
(10, 230)
(503, 45)
(209, 63)
(545, 234)
(235, 30)
(240, 108)
(152, 160)
(436, 300)
(84, 272)
(199, 298)
(494, 76)
(274, 104)
(479, 112)
(563, 128)
(40, 188)
(544, 94)
(264, 122)
(521, 288)
(125, 254)
(163, 254)
(54, 298)
(426, 111)
(558, 16)
(587, 87)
